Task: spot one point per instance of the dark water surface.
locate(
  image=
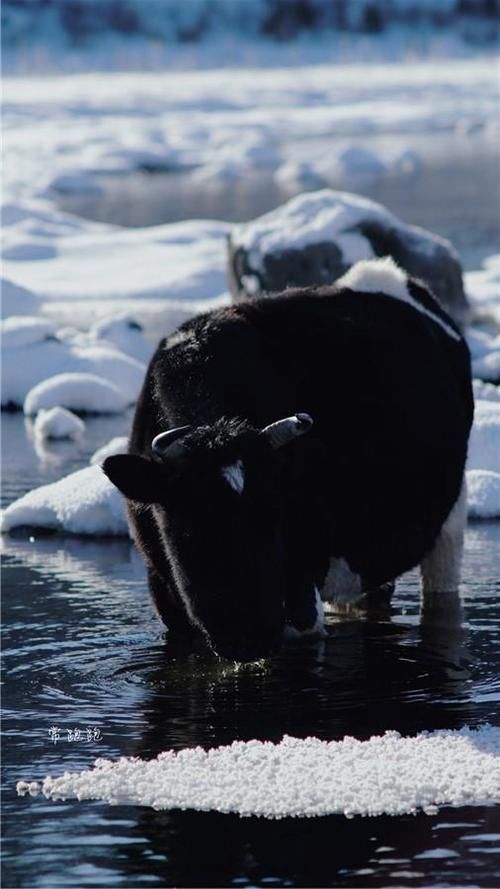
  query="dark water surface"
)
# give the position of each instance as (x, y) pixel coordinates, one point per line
(83, 650)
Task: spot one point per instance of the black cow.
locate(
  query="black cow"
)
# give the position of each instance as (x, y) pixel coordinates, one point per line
(302, 447)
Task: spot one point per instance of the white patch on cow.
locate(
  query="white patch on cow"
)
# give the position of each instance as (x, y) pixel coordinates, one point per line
(384, 276)
(440, 569)
(318, 627)
(342, 586)
(235, 476)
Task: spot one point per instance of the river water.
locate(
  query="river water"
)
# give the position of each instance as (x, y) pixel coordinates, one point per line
(83, 651)
(89, 672)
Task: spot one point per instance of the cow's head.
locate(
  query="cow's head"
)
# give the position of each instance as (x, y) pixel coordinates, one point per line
(216, 495)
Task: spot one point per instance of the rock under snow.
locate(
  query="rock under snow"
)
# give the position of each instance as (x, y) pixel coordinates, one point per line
(58, 423)
(385, 775)
(81, 392)
(316, 237)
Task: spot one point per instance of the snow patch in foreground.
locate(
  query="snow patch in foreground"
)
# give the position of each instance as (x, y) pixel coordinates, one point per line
(84, 502)
(387, 774)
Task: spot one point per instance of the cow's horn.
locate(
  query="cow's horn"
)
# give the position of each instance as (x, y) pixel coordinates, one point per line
(168, 444)
(283, 431)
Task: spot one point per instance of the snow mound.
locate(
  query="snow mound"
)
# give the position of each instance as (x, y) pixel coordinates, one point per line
(84, 502)
(17, 300)
(118, 445)
(299, 175)
(82, 392)
(483, 285)
(483, 463)
(485, 391)
(24, 366)
(388, 774)
(125, 333)
(25, 331)
(357, 162)
(483, 494)
(58, 423)
(484, 442)
(488, 367)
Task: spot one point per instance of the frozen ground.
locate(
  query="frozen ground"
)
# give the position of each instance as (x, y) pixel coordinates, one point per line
(87, 284)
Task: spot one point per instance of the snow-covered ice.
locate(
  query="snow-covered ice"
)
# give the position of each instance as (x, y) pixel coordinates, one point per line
(82, 392)
(385, 775)
(57, 423)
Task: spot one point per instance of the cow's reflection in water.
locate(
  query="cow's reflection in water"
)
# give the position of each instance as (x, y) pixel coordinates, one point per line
(368, 675)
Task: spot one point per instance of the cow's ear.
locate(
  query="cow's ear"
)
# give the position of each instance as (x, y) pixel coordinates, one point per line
(137, 478)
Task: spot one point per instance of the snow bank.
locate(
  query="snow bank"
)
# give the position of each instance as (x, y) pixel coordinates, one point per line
(84, 502)
(483, 286)
(484, 442)
(57, 423)
(125, 333)
(483, 494)
(25, 331)
(485, 391)
(17, 300)
(85, 393)
(25, 366)
(386, 775)
(483, 463)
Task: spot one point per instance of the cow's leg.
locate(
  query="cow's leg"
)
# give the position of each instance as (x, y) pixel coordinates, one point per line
(308, 620)
(440, 569)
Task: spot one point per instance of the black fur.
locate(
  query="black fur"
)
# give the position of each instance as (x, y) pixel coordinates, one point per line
(373, 480)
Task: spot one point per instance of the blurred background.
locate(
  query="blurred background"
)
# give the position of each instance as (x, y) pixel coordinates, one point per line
(71, 34)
